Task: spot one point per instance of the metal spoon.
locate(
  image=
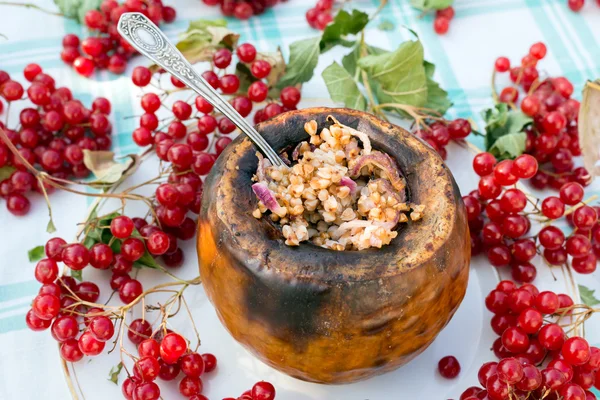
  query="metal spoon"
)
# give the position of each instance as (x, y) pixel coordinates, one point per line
(146, 38)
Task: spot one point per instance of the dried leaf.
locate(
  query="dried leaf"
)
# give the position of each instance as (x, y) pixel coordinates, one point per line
(106, 169)
(36, 254)
(6, 172)
(113, 375)
(589, 127)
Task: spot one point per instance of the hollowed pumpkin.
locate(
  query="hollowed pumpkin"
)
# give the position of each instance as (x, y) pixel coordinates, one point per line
(322, 315)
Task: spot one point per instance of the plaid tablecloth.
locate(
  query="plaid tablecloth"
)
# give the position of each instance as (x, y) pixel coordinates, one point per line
(481, 31)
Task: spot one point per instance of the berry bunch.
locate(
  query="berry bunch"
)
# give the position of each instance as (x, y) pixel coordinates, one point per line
(105, 48)
(441, 23)
(165, 356)
(242, 9)
(526, 321)
(553, 138)
(439, 133)
(499, 222)
(321, 14)
(185, 140)
(51, 135)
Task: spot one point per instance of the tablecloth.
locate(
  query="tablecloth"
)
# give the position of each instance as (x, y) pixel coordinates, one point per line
(480, 31)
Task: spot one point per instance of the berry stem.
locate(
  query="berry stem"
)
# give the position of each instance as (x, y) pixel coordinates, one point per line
(35, 7)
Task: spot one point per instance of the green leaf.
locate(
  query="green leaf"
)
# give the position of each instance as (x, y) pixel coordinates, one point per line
(429, 68)
(36, 254)
(201, 24)
(245, 76)
(147, 261)
(587, 296)
(304, 56)
(113, 375)
(351, 59)
(386, 25)
(502, 122)
(437, 98)
(343, 24)
(6, 172)
(427, 5)
(343, 88)
(509, 146)
(399, 74)
(77, 274)
(76, 9)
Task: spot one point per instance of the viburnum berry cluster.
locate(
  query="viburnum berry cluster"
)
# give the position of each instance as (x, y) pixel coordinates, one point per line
(499, 221)
(242, 9)
(51, 135)
(321, 14)
(183, 137)
(532, 331)
(577, 5)
(104, 48)
(440, 132)
(552, 138)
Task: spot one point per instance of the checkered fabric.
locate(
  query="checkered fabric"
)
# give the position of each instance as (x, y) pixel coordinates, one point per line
(480, 31)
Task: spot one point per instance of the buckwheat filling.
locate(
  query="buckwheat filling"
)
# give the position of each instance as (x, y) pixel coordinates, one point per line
(340, 194)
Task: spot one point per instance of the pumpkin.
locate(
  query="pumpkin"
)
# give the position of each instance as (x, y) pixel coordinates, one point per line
(333, 316)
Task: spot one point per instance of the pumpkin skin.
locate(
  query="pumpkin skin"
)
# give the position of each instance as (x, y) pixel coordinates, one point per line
(321, 315)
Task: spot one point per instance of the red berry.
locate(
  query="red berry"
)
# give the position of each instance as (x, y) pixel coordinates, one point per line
(192, 365)
(149, 348)
(449, 367)
(515, 340)
(75, 256)
(36, 323)
(69, 351)
(551, 336)
(147, 368)
(84, 66)
(130, 290)
(229, 83)
(246, 52)
(260, 69)
(141, 76)
(102, 328)
(172, 347)
(576, 351)
(46, 306)
(46, 271)
(139, 330)
(441, 25)
(222, 58)
(538, 50)
(509, 371)
(502, 64)
(576, 5)
(121, 227)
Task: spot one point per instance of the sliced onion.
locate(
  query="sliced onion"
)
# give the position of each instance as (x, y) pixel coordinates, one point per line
(383, 162)
(349, 183)
(263, 164)
(267, 197)
(296, 152)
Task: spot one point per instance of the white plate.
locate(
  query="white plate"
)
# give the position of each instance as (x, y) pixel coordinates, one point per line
(468, 336)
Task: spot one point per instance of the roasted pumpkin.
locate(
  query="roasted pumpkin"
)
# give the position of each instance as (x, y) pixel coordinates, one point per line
(333, 316)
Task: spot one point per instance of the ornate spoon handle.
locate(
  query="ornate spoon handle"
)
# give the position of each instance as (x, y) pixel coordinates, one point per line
(146, 38)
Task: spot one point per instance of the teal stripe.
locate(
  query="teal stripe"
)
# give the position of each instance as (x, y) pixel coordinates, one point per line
(553, 40)
(579, 25)
(17, 290)
(14, 323)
